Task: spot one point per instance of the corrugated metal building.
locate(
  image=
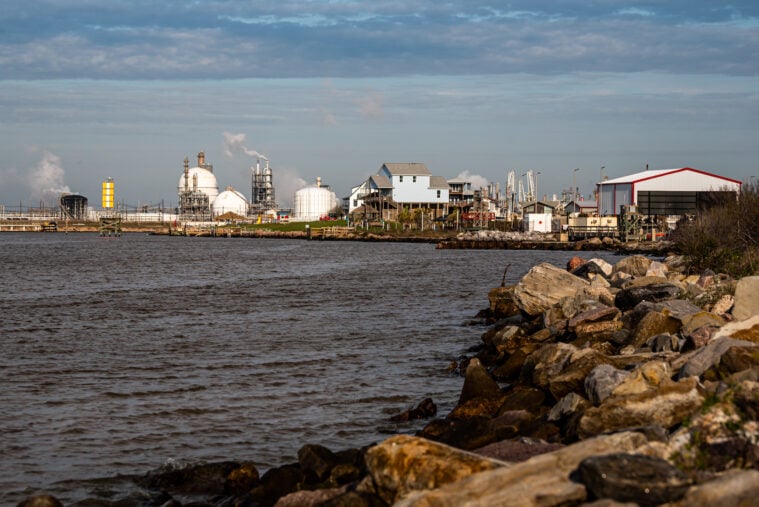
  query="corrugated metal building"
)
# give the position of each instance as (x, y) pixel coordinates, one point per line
(665, 191)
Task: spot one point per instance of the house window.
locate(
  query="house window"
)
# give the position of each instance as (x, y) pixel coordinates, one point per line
(413, 179)
(438, 194)
(400, 178)
(355, 203)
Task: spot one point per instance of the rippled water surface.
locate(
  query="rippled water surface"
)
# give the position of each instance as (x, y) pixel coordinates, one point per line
(120, 354)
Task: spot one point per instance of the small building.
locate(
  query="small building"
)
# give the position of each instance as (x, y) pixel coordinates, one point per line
(538, 207)
(410, 186)
(582, 207)
(665, 191)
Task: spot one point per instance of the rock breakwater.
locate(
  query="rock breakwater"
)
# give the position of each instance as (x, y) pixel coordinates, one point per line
(594, 384)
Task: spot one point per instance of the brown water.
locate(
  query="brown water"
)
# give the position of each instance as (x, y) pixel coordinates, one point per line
(119, 355)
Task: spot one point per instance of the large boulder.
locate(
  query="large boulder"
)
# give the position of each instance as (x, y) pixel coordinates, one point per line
(645, 480)
(544, 286)
(402, 464)
(746, 303)
(628, 298)
(667, 405)
(704, 358)
(601, 382)
(652, 324)
(735, 488)
(634, 265)
(502, 303)
(542, 480)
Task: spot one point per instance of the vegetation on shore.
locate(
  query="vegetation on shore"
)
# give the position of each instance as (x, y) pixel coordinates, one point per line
(724, 238)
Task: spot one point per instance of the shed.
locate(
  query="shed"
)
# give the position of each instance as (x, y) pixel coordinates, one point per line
(665, 191)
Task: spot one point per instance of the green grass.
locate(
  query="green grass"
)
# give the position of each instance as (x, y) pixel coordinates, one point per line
(295, 226)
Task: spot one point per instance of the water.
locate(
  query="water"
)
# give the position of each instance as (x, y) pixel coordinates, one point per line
(120, 354)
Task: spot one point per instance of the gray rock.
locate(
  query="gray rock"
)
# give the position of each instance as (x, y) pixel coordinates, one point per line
(646, 480)
(568, 406)
(706, 357)
(664, 342)
(628, 298)
(601, 381)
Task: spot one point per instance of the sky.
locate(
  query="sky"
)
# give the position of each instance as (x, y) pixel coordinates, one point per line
(127, 89)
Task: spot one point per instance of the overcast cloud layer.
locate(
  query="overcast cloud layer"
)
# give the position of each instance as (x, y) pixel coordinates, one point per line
(145, 39)
(333, 88)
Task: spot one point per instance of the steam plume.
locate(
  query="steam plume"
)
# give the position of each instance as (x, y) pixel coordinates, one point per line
(476, 180)
(46, 180)
(236, 143)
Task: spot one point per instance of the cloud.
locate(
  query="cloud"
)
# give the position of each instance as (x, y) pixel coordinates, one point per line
(209, 39)
(371, 106)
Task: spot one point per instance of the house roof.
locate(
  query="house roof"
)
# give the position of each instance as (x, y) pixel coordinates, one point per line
(438, 182)
(407, 168)
(584, 204)
(381, 181)
(656, 173)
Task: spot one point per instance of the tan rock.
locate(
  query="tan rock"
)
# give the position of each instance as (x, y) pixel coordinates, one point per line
(746, 330)
(746, 300)
(736, 488)
(644, 378)
(544, 286)
(635, 265)
(502, 303)
(723, 305)
(652, 324)
(540, 481)
(403, 463)
(700, 319)
(667, 405)
(598, 331)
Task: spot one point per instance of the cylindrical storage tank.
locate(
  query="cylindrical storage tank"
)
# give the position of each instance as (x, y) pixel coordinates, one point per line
(312, 203)
(230, 200)
(108, 193)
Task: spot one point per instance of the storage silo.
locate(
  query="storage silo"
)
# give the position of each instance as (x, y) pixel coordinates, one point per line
(230, 200)
(313, 202)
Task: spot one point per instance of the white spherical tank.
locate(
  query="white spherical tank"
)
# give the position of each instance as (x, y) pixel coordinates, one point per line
(200, 179)
(230, 200)
(312, 203)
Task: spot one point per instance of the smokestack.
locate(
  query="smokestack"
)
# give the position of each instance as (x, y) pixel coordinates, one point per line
(201, 159)
(258, 166)
(318, 182)
(186, 173)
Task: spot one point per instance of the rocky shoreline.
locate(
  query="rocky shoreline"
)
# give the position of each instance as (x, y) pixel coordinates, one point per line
(631, 384)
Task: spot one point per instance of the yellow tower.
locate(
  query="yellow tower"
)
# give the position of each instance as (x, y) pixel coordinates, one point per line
(108, 194)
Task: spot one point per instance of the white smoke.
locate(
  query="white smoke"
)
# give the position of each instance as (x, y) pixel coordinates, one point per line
(46, 179)
(236, 143)
(476, 180)
(287, 182)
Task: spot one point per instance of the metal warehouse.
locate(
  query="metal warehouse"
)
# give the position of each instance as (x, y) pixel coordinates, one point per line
(665, 191)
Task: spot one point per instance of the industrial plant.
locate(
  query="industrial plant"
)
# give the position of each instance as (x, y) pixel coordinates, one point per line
(640, 205)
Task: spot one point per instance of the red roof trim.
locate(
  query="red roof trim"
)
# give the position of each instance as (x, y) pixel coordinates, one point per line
(673, 171)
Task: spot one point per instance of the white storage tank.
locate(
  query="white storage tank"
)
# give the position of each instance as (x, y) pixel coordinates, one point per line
(199, 179)
(313, 202)
(230, 200)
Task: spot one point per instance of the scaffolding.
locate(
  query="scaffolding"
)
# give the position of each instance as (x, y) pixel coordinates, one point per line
(262, 188)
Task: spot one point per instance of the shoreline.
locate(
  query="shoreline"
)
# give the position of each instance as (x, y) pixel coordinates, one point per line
(441, 241)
